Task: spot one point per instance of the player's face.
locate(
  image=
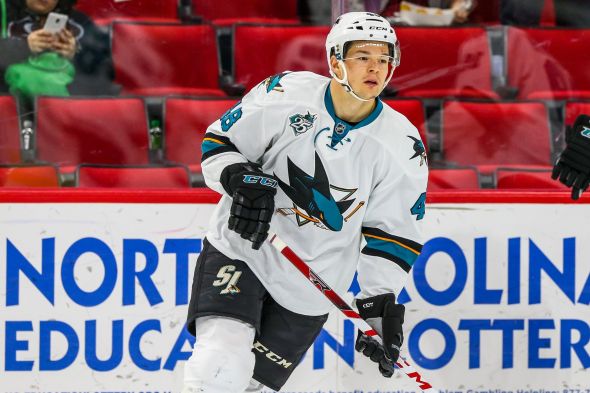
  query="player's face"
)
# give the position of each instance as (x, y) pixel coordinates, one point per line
(368, 63)
(41, 7)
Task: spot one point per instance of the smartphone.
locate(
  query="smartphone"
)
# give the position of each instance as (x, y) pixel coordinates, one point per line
(55, 22)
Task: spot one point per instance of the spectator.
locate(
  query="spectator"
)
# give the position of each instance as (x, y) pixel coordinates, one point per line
(81, 47)
(568, 13)
(318, 11)
(462, 8)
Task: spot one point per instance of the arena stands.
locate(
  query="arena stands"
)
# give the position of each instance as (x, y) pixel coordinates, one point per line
(9, 131)
(72, 131)
(162, 59)
(174, 176)
(491, 102)
(186, 120)
(107, 11)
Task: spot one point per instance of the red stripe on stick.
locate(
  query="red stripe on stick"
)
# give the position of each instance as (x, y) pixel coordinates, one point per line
(351, 314)
(345, 308)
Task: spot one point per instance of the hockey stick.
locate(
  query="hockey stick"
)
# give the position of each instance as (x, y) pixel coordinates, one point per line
(345, 308)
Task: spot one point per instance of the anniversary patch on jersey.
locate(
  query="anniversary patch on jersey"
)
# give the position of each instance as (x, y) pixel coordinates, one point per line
(273, 82)
(313, 200)
(419, 150)
(301, 123)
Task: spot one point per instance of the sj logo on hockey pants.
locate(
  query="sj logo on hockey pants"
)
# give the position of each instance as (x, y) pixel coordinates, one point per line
(228, 276)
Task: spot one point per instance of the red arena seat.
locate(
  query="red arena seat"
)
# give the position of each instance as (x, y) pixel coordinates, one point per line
(251, 11)
(105, 11)
(162, 59)
(185, 123)
(132, 176)
(9, 131)
(524, 178)
(459, 65)
(491, 134)
(71, 131)
(453, 179)
(262, 51)
(414, 111)
(29, 176)
(546, 63)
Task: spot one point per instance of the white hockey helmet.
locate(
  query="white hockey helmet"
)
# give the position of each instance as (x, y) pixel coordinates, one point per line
(360, 26)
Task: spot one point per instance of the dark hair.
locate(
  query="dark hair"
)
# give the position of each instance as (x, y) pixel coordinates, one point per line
(348, 44)
(65, 6)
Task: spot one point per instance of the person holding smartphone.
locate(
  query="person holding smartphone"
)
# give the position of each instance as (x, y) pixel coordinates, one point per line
(461, 8)
(61, 40)
(38, 26)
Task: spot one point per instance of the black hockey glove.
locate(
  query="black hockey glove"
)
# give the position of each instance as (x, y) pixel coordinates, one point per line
(573, 166)
(386, 317)
(253, 203)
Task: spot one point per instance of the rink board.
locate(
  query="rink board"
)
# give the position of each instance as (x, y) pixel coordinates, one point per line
(93, 298)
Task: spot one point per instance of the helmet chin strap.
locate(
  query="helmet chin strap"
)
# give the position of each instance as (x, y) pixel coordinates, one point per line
(344, 81)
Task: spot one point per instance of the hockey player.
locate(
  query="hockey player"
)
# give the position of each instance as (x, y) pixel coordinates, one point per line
(573, 166)
(324, 164)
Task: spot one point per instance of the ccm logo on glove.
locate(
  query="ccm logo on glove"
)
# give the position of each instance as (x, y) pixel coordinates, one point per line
(265, 181)
(253, 205)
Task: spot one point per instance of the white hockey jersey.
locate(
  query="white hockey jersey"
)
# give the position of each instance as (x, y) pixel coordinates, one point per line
(350, 197)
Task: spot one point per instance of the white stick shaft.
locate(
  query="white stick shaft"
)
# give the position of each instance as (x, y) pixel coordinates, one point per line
(348, 311)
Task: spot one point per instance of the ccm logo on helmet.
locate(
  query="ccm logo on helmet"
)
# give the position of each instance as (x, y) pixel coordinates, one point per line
(271, 355)
(377, 28)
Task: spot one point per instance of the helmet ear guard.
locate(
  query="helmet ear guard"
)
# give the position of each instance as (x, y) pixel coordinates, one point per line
(360, 26)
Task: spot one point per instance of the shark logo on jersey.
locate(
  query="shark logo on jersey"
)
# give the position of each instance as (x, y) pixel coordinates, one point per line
(585, 132)
(312, 194)
(419, 150)
(273, 82)
(301, 123)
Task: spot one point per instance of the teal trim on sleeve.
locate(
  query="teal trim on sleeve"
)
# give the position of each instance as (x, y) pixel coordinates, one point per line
(393, 249)
(207, 146)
